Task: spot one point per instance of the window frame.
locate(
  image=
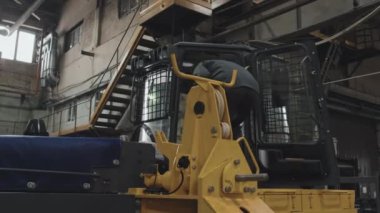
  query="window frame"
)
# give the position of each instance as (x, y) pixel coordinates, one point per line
(26, 30)
(72, 111)
(129, 8)
(77, 26)
(34, 53)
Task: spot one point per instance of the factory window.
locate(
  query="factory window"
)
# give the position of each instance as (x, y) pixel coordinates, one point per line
(25, 47)
(72, 111)
(73, 37)
(127, 6)
(19, 46)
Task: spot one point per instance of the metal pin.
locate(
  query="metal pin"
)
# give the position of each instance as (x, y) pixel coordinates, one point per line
(211, 189)
(227, 189)
(116, 162)
(86, 186)
(31, 185)
(236, 162)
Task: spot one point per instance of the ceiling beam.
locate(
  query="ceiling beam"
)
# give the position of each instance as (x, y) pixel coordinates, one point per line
(8, 17)
(20, 21)
(10, 12)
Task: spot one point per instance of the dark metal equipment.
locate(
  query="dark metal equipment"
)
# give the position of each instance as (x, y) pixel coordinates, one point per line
(367, 192)
(294, 144)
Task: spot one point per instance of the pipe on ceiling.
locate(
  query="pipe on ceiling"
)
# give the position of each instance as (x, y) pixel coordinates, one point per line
(25, 16)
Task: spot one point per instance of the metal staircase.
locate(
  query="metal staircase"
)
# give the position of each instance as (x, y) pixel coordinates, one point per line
(116, 97)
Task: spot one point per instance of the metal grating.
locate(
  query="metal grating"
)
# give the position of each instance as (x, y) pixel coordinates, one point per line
(287, 98)
(367, 36)
(154, 93)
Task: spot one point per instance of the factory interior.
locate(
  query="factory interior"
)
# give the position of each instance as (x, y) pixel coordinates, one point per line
(154, 106)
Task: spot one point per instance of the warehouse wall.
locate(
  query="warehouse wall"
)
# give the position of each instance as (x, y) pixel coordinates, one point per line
(17, 98)
(75, 67)
(102, 30)
(18, 76)
(370, 84)
(13, 114)
(356, 140)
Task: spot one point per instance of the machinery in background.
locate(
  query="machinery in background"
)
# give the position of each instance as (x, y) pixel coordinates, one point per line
(366, 188)
(49, 63)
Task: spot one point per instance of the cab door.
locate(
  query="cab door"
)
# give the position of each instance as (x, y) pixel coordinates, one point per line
(291, 135)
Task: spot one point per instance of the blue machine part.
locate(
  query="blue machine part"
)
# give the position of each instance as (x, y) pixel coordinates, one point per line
(53, 164)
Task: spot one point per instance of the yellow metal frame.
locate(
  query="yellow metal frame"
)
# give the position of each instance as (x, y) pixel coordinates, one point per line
(209, 183)
(161, 5)
(309, 201)
(204, 7)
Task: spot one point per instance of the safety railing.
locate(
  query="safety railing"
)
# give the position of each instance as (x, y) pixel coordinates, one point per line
(120, 51)
(71, 118)
(12, 127)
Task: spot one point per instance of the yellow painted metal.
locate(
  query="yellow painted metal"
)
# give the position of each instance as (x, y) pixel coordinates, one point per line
(157, 7)
(308, 201)
(209, 183)
(214, 160)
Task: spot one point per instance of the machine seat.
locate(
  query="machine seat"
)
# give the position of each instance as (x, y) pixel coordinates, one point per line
(276, 164)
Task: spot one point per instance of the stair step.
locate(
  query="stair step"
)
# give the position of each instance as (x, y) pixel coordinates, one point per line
(148, 43)
(127, 71)
(139, 52)
(105, 124)
(125, 80)
(122, 91)
(119, 100)
(115, 108)
(108, 116)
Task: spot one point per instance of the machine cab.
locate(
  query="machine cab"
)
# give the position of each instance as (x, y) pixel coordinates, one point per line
(292, 140)
(287, 130)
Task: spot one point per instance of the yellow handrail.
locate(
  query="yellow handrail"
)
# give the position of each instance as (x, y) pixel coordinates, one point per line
(180, 74)
(245, 142)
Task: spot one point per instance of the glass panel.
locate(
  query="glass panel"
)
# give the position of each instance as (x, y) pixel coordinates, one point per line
(73, 37)
(156, 97)
(25, 48)
(126, 6)
(7, 46)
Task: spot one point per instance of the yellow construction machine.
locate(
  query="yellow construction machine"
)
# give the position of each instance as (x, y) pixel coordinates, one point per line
(205, 168)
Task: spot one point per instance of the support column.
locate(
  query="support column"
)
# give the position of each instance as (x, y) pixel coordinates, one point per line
(378, 142)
